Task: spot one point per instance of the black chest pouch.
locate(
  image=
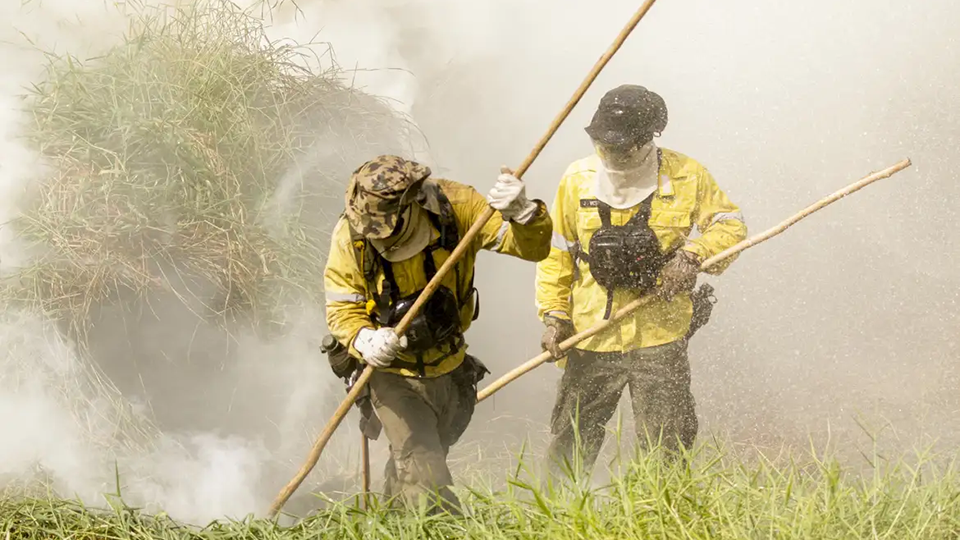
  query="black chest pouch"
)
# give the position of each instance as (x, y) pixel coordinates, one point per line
(624, 257)
(436, 323)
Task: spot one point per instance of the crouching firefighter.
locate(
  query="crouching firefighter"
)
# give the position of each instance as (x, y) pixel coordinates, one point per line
(622, 220)
(399, 226)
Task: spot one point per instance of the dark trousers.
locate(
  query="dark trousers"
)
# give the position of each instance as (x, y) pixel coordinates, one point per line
(663, 406)
(422, 419)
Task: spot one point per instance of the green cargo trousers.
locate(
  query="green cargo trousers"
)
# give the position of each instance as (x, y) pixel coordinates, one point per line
(422, 419)
(591, 386)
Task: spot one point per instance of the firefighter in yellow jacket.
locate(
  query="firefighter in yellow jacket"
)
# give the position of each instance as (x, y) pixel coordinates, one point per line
(399, 227)
(622, 220)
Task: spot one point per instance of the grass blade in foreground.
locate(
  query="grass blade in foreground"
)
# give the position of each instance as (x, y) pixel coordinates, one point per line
(722, 496)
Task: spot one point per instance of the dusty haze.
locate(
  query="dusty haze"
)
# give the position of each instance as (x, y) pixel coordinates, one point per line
(852, 312)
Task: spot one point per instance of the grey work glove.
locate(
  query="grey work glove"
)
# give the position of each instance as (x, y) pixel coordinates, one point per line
(679, 274)
(557, 331)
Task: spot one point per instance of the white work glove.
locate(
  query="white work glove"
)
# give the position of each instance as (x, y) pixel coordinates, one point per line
(379, 347)
(509, 197)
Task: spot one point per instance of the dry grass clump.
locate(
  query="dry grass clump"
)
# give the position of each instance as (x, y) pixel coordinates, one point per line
(195, 161)
(196, 158)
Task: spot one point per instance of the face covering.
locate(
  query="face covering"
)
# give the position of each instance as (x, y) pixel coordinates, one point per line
(414, 235)
(627, 178)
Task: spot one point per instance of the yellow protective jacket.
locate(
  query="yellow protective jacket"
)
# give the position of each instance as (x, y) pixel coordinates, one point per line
(349, 300)
(687, 195)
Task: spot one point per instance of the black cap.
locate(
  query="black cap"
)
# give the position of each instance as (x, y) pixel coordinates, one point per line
(628, 114)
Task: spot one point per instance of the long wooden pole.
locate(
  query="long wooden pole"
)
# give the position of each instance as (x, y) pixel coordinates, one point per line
(629, 308)
(365, 456)
(458, 252)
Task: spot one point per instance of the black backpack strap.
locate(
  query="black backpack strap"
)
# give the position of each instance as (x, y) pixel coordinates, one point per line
(472, 290)
(386, 300)
(445, 223)
(366, 258)
(429, 271)
(643, 212)
(604, 210)
(606, 314)
(429, 265)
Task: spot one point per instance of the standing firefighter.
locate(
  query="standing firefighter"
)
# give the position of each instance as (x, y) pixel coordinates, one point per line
(400, 226)
(622, 221)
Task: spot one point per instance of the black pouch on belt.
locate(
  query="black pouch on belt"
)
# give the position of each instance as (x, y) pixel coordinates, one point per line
(703, 301)
(472, 371)
(341, 363)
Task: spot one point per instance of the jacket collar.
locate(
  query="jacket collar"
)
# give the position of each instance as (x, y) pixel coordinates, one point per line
(664, 181)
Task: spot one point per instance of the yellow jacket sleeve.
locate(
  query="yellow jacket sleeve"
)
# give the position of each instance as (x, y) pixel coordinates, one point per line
(529, 241)
(719, 221)
(344, 289)
(555, 273)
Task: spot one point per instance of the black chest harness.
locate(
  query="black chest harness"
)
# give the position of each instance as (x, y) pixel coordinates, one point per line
(623, 257)
(438, 321)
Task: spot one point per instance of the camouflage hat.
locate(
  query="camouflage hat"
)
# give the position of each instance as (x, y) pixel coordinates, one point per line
(378, 190)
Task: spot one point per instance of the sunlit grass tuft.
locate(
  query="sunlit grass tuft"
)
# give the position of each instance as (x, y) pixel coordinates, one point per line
(710, 495)
(168, 155)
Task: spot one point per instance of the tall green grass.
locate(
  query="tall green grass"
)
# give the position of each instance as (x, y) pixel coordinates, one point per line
(717, 497)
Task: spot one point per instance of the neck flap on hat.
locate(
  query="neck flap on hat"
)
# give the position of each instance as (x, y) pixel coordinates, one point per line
(622, 189)
(414, 235)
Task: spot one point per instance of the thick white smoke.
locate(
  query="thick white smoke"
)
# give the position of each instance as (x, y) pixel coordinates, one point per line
(62, 425)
